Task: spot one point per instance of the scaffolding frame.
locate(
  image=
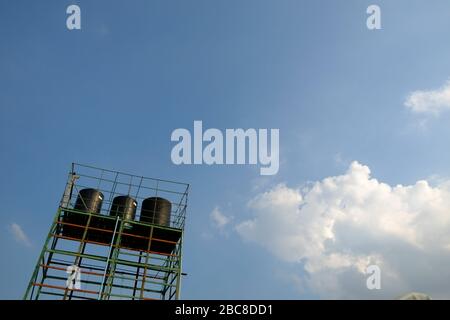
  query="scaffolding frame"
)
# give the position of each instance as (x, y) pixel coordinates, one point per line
(115, 258)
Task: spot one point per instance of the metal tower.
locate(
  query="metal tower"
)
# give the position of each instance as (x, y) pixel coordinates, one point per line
(104, 254)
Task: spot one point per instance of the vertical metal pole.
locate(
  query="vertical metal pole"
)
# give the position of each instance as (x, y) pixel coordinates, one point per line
(68, 191)
(179, 255)
(107, 261)
(146, 262)
(114, 257)
(137, 275)
(81, 248)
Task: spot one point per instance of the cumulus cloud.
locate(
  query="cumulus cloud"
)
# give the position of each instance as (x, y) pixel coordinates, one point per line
(335, 228)
(219, 219)
(429, 101)
(19, 235)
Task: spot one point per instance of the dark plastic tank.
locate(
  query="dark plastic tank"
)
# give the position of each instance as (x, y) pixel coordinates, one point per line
(156, 210)
(89, 200)
(124, 207)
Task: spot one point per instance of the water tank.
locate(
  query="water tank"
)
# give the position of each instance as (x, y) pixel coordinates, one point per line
(89, 200)
(156, 210)
(124, 207)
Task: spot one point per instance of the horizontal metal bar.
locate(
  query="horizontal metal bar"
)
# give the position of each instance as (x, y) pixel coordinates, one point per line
(117, 261)
(118, 270)
(98, 283)
(128, 174)
(62, 295)
(114, 219)
(62, 288)
(115, 246)
(112, 231)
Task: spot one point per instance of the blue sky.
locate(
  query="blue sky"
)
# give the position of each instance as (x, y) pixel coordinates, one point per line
(111, 94)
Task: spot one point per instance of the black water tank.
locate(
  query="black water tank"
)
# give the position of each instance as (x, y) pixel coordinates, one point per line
(156, 210)
(89, 200)
(124, 207)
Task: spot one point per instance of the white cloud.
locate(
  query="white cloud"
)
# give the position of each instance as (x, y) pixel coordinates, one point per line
(338, 226)
(19, 235)
(429, 101)
(219, 219)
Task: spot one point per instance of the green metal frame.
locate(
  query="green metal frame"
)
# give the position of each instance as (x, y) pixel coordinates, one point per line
(119, 273)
